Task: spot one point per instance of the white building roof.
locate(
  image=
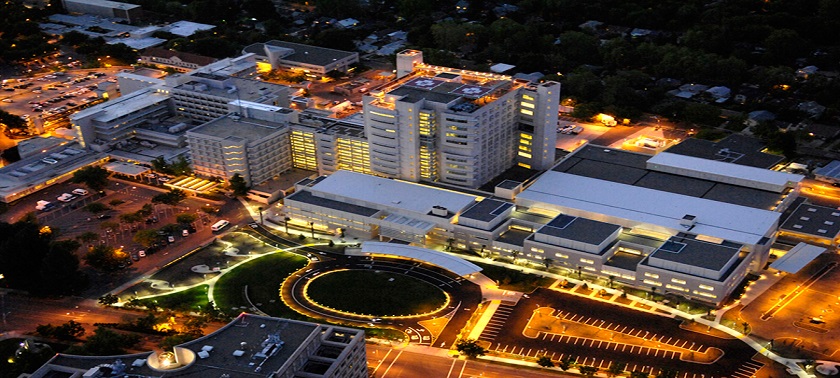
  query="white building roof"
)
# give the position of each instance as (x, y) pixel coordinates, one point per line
(391, 193)
(451, 263)
(138, 43)
(588, 197)
(797, 258)
(719, 171)
(127, 104)
(187, 28)
(501, 67)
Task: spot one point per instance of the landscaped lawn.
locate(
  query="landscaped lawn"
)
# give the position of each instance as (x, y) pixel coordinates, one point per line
(188, 300)
(375, 293)
(263, 277)
(515, 280)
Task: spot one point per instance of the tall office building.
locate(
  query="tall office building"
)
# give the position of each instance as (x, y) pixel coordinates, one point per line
(457, 126)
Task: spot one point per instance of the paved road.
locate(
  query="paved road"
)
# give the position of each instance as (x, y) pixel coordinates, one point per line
(736, 361)
(394, 363)
(24, 313)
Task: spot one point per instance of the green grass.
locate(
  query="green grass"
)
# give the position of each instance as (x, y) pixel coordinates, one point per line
(187, 300)
(375, 293)
(514, 280)
(263, 277)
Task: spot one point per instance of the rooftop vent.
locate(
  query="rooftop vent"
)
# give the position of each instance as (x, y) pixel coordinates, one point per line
(688, 221)
(440, 211)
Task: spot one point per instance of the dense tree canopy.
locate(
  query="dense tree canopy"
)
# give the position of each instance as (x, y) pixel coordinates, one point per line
(31, 258)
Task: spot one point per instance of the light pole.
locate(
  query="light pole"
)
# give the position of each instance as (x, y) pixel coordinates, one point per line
(312, 229)
(286, 223)
(260, 209)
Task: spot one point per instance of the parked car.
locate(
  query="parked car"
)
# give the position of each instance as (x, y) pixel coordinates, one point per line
(104, 216)
(185, 232)
(170, 239)
(141, 253)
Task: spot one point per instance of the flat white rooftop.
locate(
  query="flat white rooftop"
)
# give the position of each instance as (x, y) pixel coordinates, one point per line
(127, 104)
(709, 169)
(566, 193)
(187, 28)
(797, 258)
(367, 189)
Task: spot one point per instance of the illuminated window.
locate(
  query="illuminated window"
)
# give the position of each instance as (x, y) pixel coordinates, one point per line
(528, 97)
(651, 275)
(652, 282)
(706, 287)
(527, 105)
(681, 282)
(524, 154)
(558, 254)
(587, 261)
(526, 112)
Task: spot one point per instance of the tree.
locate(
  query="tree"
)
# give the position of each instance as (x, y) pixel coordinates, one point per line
(616, 368)
(59, 270)
(88, 237)
(74, 38)
(108, 299)
(96, 207)
(238, 185)
(172, 198)
(588, 371)
(186, 218)
(545, 362)
(12, 121)
(71, 330)
(470, 348)
(146, 238)
(746, 326)
(95, 177)
(639, 374)
(105, 342)
(106, 258)
(566, 363)
(131, 217)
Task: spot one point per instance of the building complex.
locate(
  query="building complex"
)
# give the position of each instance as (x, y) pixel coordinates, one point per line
(249, 346)
(648, 222)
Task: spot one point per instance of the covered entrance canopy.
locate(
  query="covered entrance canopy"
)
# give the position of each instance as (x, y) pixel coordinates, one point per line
(797, 258)
(451, 263)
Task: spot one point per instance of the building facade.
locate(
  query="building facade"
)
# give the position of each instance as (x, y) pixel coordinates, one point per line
(456, 126)
(616, 218)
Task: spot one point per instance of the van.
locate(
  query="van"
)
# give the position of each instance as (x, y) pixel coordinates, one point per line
(80, 192)
(219, 225)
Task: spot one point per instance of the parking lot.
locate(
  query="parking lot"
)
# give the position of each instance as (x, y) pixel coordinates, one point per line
(598, 334)
(45, 95)
(801, 312)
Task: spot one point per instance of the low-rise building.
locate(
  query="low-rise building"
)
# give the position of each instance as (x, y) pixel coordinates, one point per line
(314, 60)
(250, 345)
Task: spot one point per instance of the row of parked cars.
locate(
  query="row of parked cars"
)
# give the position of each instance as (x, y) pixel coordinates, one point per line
(64, 197)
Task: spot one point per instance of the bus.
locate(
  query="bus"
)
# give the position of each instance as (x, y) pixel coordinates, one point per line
(219, 225)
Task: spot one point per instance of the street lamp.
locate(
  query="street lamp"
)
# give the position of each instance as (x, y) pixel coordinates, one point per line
(312, 229)
(260, 209)
(286, 223)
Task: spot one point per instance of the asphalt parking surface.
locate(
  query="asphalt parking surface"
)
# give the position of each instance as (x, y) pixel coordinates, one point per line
(736, 361)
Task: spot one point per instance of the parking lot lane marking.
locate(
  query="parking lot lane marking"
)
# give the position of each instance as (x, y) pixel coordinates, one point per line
(529, 352)
(599, 343)
(462, 369)
(576, 340)
(544, 335)
(552, 354)
(669, 340)
(622, 330)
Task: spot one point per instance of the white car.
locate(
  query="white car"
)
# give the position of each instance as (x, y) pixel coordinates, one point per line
(66, 197)
(141, 253)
